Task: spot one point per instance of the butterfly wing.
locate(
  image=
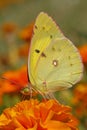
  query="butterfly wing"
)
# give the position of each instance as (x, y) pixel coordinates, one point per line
(60, 68)
(45, 30)
(54, 62)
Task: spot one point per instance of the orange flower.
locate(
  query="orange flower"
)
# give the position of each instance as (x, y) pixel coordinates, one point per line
(35, 115)
(18, 76)
(26, 34)
(80, 99)
(6, 3)
(9, 27)
(16, 80)
(24, 50)
(83, 52)
(9, 31)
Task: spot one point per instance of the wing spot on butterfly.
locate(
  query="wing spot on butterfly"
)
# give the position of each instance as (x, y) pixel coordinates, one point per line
(51, 36)
(43, 28)
(71, 64)
(37, 51)
(53, 49)
(43, 54)
(36, 27)
(55, 63)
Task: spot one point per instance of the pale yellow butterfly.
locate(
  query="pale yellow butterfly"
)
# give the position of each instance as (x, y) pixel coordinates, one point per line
(54, 62)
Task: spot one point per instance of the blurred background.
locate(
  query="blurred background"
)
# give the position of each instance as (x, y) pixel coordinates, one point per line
(16, 23)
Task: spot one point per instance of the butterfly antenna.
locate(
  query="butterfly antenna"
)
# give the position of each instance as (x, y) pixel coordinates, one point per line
(13, 82)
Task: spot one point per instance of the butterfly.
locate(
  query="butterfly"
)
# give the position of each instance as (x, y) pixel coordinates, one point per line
(54, 63)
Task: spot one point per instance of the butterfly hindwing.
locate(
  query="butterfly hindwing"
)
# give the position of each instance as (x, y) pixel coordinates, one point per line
(61, 63)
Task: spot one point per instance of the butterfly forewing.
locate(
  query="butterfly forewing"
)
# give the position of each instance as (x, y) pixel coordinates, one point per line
(62, 66)
(45, 30)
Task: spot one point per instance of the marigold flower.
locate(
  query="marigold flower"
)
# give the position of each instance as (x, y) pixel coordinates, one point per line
(10, 31)
(24, 50)
(80, 99)
(35, 115)
(9, 27)
(18, 77)
(5, 3)
(14, 81)
(26, 35)
(83, 52)
(27, 32)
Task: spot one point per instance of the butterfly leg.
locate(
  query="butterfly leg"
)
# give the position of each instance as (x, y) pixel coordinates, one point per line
(30, 89)
(48, 95)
